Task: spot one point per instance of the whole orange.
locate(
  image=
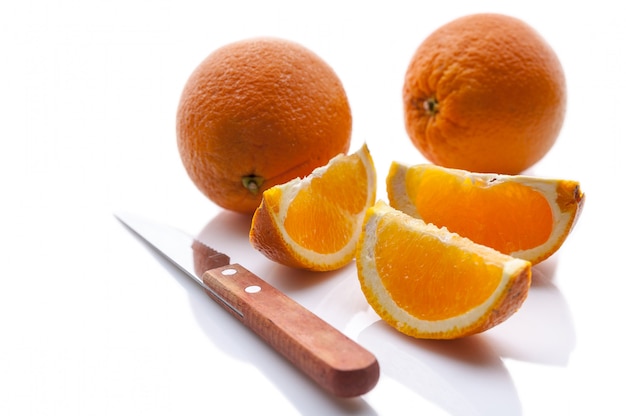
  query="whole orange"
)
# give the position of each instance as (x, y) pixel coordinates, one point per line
(484, 93)
(258, 113)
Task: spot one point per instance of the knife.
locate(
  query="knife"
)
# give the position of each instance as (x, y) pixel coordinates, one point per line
(331, 359)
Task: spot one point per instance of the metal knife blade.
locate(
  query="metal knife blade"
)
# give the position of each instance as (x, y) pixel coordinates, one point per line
(188, 254)
(327, 356)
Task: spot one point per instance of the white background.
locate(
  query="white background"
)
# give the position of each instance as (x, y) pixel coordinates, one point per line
(93, 323)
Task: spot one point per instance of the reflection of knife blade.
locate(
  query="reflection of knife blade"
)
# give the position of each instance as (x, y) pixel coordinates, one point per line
(334, 361)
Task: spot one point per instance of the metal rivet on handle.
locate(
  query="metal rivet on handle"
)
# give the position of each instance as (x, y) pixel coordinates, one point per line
(253, 289)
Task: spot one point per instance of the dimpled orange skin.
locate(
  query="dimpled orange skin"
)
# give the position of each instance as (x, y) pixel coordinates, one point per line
(257, 113)
(484, 93)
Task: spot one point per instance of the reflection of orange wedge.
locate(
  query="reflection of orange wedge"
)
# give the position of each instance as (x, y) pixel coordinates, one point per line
(314, 222)
(430, 283)
(524, 216)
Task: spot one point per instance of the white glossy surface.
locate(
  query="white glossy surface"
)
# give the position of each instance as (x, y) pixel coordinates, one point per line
(92, 322)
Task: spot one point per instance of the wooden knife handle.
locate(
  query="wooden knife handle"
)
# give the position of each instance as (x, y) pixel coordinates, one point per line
(330, 358)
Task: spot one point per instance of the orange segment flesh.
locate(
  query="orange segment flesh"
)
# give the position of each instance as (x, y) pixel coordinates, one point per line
(430, 283)
(314, 222)
(524, 216)
(451, 268)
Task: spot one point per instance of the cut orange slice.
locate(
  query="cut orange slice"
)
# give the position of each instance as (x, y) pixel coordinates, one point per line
(314, 223)
(524, 216)
(430, 283)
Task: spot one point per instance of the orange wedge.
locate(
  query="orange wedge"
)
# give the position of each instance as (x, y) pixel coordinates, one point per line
(524, 216)
(314, 223)
(430, 283)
